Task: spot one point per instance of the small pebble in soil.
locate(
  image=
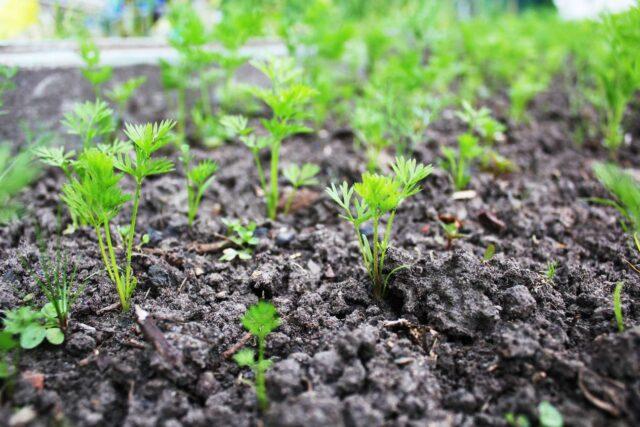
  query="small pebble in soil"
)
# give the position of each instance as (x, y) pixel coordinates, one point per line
(80, 343)
(517, 302)
(260, 232)
(159, 277)
(285, 236)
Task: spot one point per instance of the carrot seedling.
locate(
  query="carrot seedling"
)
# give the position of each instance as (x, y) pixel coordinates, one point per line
(96, 75)
(199, 178)
(96, 197)
(459, 162)
(379, 198)
(260, 320)
(287, 99)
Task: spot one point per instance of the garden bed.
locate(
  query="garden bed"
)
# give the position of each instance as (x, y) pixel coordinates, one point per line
(458, 341)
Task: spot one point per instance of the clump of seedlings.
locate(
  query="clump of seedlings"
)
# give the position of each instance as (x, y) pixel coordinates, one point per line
(95, 196)
(243, 237)
(199, 177)
(459, 162)
(260, 320)
(287, 99)
(379, 198)
(57, 279)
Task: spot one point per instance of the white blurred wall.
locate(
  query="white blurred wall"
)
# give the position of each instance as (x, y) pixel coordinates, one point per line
(581, 9)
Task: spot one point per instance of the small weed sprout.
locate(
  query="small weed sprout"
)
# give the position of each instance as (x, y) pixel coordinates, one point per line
(92, 71)
(57, 281)
(8, 367)
(549, 416)
(33, 326)
(287, 99)
(298, 177)
(617, 305)
(459, 162)
(260, 320)
(379, 197)
(489, 253)
(243, 237)
(550, 271)
(451, 232)
(199, 178)
(516, 420)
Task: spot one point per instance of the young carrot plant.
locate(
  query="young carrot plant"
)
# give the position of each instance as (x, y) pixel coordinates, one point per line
(379, 198)
(96, 75)
(482, 123)
(260, 320)
(16, 172)
(199, 178)
(618, 72)
(243, 237)
(625, 191)
(7, 75)
(287, 99)
(93, 122)
(96, 197)
(298, 177)
(121, 93)
(459, 162)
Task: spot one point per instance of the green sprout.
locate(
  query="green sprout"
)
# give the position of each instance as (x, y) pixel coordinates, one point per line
(489, 252)
(550, 271)
(286, 98)
(243, 237)
(16, 172)
(379, 197)
(33, 326)
(57, 280)
(618, 71)
(298, 177)
(617, 305)
(122, 93)
(92, 71)
(199, 178)
(260, 320)
(7, 75)
(517, 420)
(482, 123)
(96, 197)
(93, 122)
(549, 416)
(459, 162)
(625, 191)
(451, 232)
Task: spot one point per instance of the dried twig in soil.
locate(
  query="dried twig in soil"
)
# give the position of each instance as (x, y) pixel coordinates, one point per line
(154, 335)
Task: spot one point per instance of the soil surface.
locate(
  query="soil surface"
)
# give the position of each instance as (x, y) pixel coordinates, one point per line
(458, 342)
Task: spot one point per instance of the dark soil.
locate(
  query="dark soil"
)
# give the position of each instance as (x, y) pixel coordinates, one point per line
(458, 341)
